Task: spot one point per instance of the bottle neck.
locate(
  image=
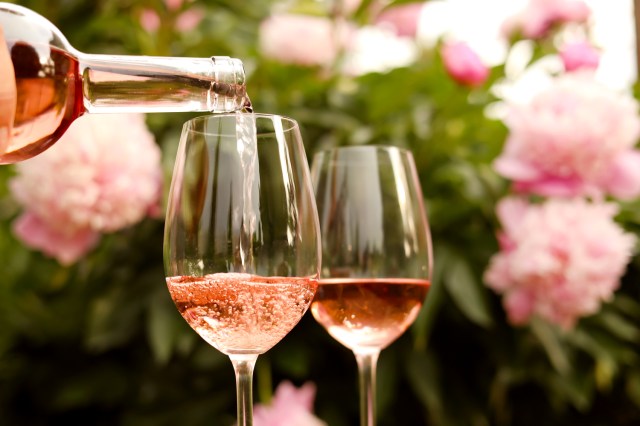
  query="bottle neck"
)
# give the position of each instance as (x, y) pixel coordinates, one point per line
(114, 83)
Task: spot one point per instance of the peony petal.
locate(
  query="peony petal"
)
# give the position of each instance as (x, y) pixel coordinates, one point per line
(66, 248)
(463, 64)
(551, 187)
(565, 258)
(519, 306)
(515, 169)
(403, 19)
(511, 211)
(103, 175)
(580, 55)
(623, 179)
(149, 20)
(290, 406)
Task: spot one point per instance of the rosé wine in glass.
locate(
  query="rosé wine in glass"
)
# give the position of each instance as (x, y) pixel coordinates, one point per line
(242, 238)
(242, 313)
(369, 312)
(376, 253)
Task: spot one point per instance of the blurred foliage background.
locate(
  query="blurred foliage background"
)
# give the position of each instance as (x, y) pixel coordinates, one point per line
(100, 342)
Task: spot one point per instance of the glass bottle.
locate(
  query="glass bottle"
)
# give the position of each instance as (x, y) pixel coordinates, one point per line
(47, 84)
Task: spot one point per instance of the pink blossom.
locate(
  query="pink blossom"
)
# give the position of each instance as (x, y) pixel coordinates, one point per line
(540, 16)
(66, 245)
(149, 20)
(580, 55)
(463, 64)
(575, 138)
(301, 39)
(103, 175)
(185, 21)
(189, 19)
(559, 260)
(403, 19)
(290, 406)
(173, 4)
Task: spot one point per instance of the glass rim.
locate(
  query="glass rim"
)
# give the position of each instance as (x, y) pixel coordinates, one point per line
(189, 125)
(355, 148)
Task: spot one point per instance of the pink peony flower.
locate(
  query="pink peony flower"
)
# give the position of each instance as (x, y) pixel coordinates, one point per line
(189, 19)
(67, 245)
(463, 64)
(149, 20)
(290, 406)
(403, 19)
(185, 21)
(539, 16)
(173, 4)
(103, 175)
(301, 39)
(579, 55)
(575, 138)
(559, 260)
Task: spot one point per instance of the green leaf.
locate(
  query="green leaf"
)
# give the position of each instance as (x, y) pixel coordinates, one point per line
(633, 386)
(423, 375)
(423, 325)
(548, 336)
(620, 327)
(466, 291)
(164, 325)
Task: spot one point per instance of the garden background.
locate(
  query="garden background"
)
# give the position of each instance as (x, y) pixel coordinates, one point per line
(93, 337)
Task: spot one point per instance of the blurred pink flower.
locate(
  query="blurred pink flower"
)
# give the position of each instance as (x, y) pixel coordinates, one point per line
(290, 406)
(403, 19)
(463, 64)
(539, 16)
(149, 20)
(173, 4)
(186, 21)
(575, 138)
(66, 245)
(559, 260)
(103, 175)
(301, 39)
(189, 19)
(580, 55)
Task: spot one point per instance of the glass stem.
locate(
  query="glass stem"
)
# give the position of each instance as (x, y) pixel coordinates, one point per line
(243, 366)
(367, 361)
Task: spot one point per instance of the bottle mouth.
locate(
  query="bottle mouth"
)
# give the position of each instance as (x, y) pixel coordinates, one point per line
(229, 91)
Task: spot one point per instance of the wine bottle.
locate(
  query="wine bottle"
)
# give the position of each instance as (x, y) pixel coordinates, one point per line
(45, 84)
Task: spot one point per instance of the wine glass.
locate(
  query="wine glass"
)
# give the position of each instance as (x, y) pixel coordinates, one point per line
(242, 243)
(376, 248)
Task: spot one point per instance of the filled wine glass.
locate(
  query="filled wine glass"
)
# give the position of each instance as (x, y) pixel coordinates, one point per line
(242, 243)
(376, 248)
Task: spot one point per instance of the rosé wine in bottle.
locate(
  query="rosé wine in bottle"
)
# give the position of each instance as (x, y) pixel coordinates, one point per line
(368, 312)
(55, 84)
(242, 313)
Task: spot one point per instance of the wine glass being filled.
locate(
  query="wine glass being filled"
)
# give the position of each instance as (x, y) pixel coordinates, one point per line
(376, 248)
(242, 243)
